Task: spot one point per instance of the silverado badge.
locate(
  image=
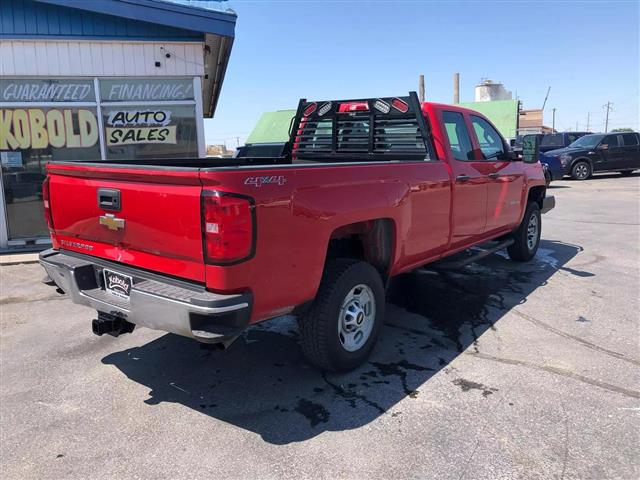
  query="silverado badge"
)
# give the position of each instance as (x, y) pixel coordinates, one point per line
(111, 221)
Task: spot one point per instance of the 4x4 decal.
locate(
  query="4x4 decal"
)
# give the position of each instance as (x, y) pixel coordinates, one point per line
(271, 179)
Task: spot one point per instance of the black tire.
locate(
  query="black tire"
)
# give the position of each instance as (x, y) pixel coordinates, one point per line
(581, 170)
(319, 326)
(626, 173)
(520, 250)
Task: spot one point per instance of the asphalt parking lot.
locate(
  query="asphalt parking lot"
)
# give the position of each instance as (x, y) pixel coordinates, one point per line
(499, 370)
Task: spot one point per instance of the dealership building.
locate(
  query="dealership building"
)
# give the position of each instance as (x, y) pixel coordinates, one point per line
(101, 80)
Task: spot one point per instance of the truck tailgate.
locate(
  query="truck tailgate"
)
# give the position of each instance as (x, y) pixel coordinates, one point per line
(156, 225)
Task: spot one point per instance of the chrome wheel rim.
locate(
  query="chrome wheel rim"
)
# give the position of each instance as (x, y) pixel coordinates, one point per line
(582, 171)
(532, 232)
(356, 317)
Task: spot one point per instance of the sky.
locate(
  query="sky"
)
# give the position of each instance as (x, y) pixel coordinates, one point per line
(587, 52)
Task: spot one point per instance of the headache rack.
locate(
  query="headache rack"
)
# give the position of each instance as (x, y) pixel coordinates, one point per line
(378, 129)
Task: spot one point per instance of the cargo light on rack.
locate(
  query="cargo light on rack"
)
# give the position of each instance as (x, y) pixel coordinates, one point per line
(381, 106)
(400, 105)
(324, 109)
(228, 227)
(353, 107)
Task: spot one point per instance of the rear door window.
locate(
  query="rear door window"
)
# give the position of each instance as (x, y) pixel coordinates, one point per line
(458, 135)
(630, 139)
(610, 140)
(554, 140)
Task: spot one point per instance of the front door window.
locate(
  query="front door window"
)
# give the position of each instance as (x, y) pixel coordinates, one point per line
(490, 141)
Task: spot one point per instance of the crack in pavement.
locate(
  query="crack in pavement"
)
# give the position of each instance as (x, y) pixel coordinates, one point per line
(14, 300)
(558, 371)
(581, 341)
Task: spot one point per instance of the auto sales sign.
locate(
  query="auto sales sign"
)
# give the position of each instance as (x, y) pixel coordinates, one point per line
(140, 126)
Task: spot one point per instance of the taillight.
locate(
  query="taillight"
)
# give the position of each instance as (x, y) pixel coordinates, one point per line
(47, 203)
(228, 227)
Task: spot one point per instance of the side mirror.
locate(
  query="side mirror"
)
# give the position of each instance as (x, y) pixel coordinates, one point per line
(530, 148)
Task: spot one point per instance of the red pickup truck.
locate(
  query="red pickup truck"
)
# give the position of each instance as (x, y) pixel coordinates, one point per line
(367, 189)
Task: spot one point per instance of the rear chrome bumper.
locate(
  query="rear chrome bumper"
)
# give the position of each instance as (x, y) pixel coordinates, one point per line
(548, 203)
(155, 301)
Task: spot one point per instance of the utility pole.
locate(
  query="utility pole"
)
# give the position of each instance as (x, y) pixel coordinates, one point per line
(588, 115)
(421, 88)
(553, 124)
(576, 125)
(608, 106)
(545, 98)
(456, 88)
(238, 142)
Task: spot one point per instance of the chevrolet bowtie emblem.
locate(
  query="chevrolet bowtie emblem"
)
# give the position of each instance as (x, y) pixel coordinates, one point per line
(111, 222)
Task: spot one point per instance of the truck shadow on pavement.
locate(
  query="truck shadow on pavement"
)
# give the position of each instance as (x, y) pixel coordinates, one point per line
(263, 383)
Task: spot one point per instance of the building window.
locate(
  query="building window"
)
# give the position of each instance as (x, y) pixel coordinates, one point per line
(29, 138)
(150, 131)
(67, 119)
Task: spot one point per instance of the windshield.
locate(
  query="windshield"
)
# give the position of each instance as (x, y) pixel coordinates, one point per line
(588, 141)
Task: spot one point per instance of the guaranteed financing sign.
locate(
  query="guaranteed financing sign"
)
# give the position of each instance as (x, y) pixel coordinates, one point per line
(46, 91)
(66, 126)
(148, 90)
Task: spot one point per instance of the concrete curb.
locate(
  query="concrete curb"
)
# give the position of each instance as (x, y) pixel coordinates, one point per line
(18, 258)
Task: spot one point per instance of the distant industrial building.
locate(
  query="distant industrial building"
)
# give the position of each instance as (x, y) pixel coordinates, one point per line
(490, 91)
(496, 102)
(219, 151)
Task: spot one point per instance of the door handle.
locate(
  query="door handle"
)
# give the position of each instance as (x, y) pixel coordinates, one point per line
(109, 199)
(493, 175)
(462, 178)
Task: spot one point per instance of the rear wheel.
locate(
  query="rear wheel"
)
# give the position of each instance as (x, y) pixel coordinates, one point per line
(527, 236)
(341, 327)
(581, 171)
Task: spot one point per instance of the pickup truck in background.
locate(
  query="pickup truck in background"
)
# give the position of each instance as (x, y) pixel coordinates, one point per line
(599, 152)
(367, 189)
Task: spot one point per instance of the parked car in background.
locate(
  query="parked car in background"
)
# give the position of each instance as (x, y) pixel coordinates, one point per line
(551, 165)
(600, 152)
(553, 141)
